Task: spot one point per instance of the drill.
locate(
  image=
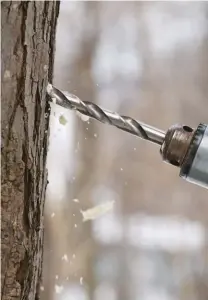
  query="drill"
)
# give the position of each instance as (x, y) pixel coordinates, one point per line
(180, 146)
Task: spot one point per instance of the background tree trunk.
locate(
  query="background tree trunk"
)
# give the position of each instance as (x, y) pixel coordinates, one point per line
(28, 35)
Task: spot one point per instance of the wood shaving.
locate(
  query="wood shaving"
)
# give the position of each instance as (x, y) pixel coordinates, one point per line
(62, 120)
(83, 117)
(97, 211)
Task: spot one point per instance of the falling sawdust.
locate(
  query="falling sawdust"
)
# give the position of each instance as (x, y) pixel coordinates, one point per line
(76, 200)
(83, 117)
(97, 211)
(58, 288)
(65, 257)
(62, 120)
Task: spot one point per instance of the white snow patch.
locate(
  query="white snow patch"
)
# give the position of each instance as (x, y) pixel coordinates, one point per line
(171, 234)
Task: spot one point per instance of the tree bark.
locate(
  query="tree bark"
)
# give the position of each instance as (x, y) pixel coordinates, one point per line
(28, 35)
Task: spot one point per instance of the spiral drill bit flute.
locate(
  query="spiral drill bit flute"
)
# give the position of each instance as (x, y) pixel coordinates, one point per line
(181, 145)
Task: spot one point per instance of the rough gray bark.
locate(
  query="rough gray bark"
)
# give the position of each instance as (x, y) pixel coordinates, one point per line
(28, 35)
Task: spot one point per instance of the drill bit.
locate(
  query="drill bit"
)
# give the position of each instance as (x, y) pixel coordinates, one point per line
(92, 110)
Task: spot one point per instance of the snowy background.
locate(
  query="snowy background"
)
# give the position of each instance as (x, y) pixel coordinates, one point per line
(147, 60)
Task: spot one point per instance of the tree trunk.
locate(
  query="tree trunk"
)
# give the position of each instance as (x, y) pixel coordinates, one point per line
(28, 35)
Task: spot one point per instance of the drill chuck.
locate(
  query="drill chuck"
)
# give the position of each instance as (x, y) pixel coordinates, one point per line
(187, 149)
